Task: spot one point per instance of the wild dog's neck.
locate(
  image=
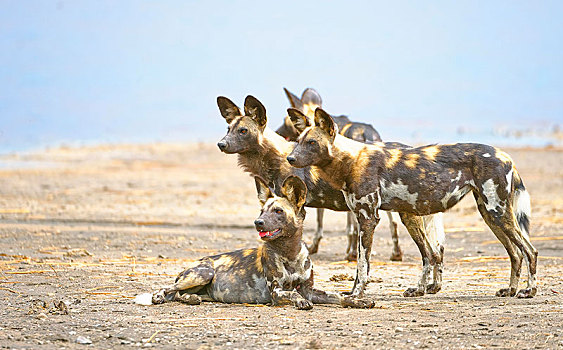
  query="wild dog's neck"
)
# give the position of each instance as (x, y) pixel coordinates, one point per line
(336, 169)
(267, 158)
(288, 246)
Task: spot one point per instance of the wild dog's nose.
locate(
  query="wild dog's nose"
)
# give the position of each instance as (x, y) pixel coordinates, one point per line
(222, 145)
(291, 159)
(259, 223)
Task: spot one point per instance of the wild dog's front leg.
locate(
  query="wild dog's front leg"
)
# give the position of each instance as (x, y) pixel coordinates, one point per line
(364, 208)
(318, 296)
(285, 297)
(397, 253)
(352, 234)
(314, 247)
(367, 226)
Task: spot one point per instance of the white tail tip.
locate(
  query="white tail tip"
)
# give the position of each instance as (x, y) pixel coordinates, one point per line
(144, 299)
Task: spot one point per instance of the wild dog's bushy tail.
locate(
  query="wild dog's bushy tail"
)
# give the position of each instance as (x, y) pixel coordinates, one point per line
(434, 226)
(521, 204)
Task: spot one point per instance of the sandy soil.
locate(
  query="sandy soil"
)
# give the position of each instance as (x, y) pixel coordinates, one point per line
(83, 230)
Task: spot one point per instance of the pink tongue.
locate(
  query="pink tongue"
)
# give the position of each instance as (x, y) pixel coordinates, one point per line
(264, 233)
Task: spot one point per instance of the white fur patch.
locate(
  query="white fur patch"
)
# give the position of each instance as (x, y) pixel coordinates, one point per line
(144, 299)
(522, 205)
(457, 193)
(397, 190)
(509, 180)
(434, 226)
(490, 191)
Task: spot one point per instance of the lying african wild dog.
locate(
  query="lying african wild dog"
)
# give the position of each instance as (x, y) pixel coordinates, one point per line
(311, 100)
(421, 181)
(263, 153)
(278, 272)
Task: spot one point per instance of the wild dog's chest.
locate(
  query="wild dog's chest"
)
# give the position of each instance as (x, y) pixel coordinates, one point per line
(365, 206)
(289, 274)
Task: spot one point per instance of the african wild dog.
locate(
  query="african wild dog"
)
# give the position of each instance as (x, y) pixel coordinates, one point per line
(420, 181)
(278, 272)
(309, 101)
(263, 153)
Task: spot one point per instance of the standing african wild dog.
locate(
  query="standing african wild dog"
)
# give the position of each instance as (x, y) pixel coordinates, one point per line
(278, 272)
(263, 153)
(421, 181)
(311, 100)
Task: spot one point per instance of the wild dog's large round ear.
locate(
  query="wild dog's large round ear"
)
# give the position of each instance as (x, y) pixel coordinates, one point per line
(312, 97)
(299, 120)
(295, 191)
(264, 192)
(228, 109)
(256, 110)
(294, 101)
(324, 121)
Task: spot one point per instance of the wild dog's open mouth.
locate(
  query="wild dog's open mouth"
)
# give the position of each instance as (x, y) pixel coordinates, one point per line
(269, 234)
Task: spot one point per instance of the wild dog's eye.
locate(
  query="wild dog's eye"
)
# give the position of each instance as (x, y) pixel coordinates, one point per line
(278, 211)
(243, 131)
(312, 142)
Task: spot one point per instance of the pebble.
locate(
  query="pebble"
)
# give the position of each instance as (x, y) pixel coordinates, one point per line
(83, 340)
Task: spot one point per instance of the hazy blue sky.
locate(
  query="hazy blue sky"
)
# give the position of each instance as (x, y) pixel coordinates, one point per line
(151, 70)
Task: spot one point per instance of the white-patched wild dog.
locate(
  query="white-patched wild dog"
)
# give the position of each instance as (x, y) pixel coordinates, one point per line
(420, 181)
(311, 100)
(278, 272)
(262, 152)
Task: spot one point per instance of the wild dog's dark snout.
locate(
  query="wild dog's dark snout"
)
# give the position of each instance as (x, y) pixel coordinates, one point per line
(259, 223)
(222, 145)
(291, 159)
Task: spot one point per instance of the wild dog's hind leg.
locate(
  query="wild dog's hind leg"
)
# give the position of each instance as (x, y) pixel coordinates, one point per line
(434, 229)
(415, 226)
(506, 228)
(515, 255)
(188, 282)
(397, 253)
(314, 247)
(352, 234)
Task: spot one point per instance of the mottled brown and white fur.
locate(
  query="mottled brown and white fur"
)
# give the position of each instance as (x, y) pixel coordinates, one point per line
(278, 272)
(263, 153)
(420, 181)
(311, 100)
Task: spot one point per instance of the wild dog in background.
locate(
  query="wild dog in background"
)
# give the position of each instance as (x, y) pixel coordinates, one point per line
(421, 181)
(262, 152)
(278, 272)
(311, 100)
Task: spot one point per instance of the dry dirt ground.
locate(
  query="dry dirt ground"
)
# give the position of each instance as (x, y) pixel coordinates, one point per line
(83, 230)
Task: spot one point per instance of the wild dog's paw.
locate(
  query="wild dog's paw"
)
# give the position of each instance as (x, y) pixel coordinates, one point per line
(190, 299)
(359, 303)
(352, 256)
(159, 297)
(526, 293)
(413, 292)
(313, 248)
(303, 304)
(433, 288)
(396, 256)
(506, 292)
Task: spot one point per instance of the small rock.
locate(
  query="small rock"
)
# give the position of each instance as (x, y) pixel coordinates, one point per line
(83, 340)
(399, 329)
